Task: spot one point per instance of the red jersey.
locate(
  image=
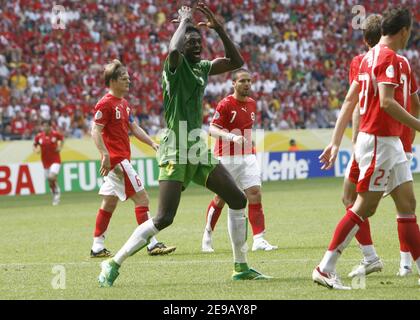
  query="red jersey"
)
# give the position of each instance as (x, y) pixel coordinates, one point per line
(114, 115)
(48, 143)
(354, 67)
(237, 117)
(380, 65)
(407, 88)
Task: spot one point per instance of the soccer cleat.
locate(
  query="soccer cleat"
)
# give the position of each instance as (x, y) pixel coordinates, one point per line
(159, 249)
(104, 253)
(109, 272)
(404, 271)
(56, 199)
(366, 267)
(262, 244)
(241, 271)
(207, 243)
(329, 280)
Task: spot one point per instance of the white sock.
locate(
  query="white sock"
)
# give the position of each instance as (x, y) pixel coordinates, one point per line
(237, 226)
(369, 252)
(258, 236)
(405, 259)
(137, 241)
(98, 243)
(329, 261)
(152, 242)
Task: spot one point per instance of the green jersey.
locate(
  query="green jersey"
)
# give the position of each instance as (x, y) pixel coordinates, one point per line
(183, 92)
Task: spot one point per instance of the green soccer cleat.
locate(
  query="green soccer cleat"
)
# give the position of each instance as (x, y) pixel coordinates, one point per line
(242, 272)
(160, 249)
(109, 272)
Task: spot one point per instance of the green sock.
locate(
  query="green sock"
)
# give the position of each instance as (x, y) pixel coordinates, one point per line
(114, 264)
(240, 267)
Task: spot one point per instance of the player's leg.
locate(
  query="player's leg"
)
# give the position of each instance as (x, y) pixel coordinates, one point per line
(408, 229)
(52, 181)
(364, 206)
(169, 197)
(221, 182)
(213, 213)
(141, 202)
(257, 219)
(98, 250)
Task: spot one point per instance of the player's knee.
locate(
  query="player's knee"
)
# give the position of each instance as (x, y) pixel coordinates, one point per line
(238, 202)
(109, 204)
(347, 202)
(254, 196)
(141, 199)
(163, 221)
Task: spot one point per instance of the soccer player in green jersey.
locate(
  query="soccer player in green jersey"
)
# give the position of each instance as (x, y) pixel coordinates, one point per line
(184, 80)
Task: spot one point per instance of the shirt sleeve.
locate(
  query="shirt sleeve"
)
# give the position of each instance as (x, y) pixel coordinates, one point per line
(354, 70)
(220, 116)
(387, 70)
(102, 114)
(206, 66)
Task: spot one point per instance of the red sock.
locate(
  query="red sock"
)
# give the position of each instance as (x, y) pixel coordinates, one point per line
(345, 230)
(102, 221)
(141, 214)
(409, 235)
(213, 212)
(256, 218)
(363, 236)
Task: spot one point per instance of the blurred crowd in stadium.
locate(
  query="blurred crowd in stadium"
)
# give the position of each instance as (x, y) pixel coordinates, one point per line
(298, 51)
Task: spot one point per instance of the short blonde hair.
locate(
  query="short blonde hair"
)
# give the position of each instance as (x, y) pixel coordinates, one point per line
(113, 71)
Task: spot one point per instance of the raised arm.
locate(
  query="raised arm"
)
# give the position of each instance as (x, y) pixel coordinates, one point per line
(177, 40)
(99, 142)
(233, 59)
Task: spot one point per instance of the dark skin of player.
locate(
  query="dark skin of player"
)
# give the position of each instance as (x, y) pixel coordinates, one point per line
(219, 181)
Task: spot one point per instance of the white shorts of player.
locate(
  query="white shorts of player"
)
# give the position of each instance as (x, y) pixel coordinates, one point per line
(382, 162)
(53, 170)
(244, 170)
(122, 182)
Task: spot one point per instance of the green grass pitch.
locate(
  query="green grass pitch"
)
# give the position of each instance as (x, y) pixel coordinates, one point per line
(300, 218)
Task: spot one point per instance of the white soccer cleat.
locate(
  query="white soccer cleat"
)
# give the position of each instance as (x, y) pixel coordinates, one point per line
(366, 267)
(328, 280)
(404, 271)
(207, 242)
(262, 244)
(56, 199)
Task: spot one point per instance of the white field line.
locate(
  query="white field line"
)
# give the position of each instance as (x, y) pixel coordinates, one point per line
(183, 262)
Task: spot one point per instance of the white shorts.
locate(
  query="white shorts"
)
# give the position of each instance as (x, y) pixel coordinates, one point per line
(122, 182)
(54, 169)
(401, 174)
(378, 159)
(244, 170)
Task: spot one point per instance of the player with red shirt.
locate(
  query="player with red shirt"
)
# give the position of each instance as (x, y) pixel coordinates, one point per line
(371, 262)
(232, 125)
(112, 122)
(49, 143)
(378, 151)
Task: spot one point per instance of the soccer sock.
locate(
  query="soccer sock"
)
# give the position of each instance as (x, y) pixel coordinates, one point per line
(213, 214)
(256, 219)
(142, 215)
(364, 238)
(405, 255)
(344, 232)
(53, 186)
(102, 221)
(409, 235)
(137, 241)
(237, 226)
